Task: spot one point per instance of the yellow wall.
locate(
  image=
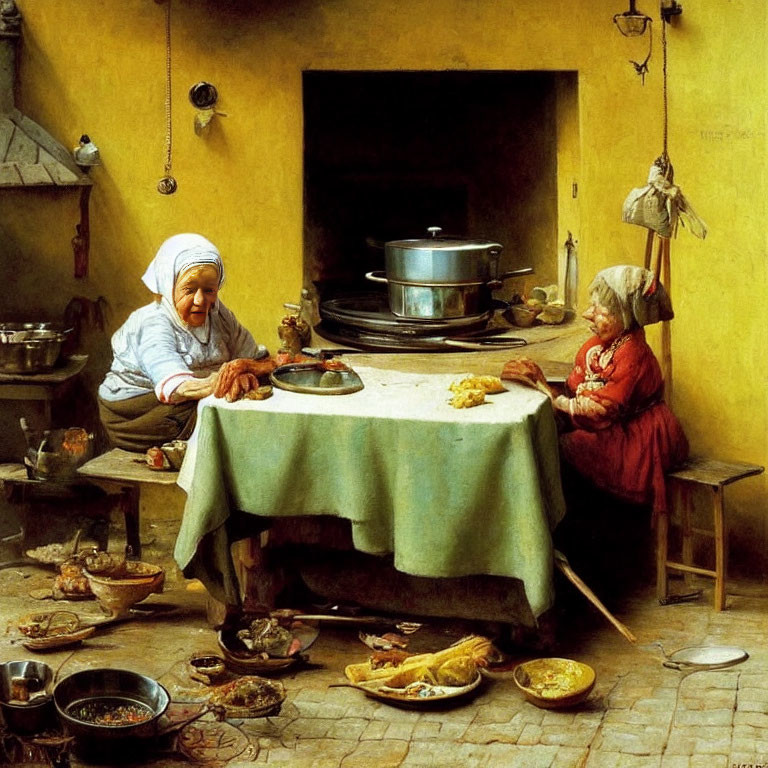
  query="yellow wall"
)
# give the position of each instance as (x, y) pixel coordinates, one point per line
(97, 66)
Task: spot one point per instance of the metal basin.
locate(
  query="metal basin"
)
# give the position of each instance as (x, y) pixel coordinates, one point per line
(29, 347)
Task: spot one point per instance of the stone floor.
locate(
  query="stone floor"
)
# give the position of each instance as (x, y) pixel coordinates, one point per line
(640, 714)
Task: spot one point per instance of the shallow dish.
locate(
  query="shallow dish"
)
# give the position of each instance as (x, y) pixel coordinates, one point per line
(249, 696)
(554, 683)
(416, 694)
(240, 660)
(706, 657)
(314, 379)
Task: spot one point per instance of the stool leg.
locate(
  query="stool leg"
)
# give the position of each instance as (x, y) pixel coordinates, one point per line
(662, 531)
(721, 554)
(687, 544)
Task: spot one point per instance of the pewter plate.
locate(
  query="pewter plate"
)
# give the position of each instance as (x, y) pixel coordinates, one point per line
(709, 656)
(402, 696)
(312, 379)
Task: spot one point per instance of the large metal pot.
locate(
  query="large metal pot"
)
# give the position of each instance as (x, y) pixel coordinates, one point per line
(29, 347)
(107, 687)
(442, 277)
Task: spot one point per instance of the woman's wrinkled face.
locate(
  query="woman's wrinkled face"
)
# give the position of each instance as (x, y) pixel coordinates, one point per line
(603, 323)
(195, 293)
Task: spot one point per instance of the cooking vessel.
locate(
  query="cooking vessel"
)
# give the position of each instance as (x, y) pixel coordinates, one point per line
(29, 347)
(441, 277)
(438, 301)
(33, 679)
(108, 686)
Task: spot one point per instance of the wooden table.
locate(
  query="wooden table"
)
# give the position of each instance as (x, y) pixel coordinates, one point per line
(42, 387)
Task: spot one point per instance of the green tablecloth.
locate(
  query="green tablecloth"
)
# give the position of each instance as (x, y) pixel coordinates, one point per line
(449, 492)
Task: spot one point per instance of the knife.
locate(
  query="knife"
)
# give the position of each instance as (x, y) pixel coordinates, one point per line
(508, 342)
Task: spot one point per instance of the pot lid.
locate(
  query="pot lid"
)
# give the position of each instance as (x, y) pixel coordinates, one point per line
(438, 242)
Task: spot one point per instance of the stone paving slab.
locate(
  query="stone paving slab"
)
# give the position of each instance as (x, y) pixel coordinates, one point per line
(640, 715)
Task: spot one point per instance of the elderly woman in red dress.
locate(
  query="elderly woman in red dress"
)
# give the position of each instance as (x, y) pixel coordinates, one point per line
(620, 434)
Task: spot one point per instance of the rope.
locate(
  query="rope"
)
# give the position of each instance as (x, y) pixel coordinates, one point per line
(664, 154)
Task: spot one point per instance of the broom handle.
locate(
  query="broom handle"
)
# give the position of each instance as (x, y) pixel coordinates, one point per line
(562, 563)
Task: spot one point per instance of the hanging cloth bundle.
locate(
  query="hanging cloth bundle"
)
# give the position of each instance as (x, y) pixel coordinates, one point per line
(660, 205)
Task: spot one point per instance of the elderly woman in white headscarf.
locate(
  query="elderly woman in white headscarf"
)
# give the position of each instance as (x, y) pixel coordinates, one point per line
(168, 354)
(620, 433)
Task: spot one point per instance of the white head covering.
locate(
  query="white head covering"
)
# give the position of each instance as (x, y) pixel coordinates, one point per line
(641, 298)
(175, 256)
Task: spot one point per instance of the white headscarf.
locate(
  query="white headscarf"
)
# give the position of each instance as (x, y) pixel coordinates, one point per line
(175, 256)
(641, 298)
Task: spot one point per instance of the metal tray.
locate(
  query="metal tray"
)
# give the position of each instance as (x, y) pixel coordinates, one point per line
(370, 312)
(306, 378)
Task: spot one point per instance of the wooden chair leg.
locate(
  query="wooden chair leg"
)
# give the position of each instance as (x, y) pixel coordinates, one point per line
(662, 544)
(721, 554)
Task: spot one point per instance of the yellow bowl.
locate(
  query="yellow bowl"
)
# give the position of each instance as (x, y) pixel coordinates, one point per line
(554, 683)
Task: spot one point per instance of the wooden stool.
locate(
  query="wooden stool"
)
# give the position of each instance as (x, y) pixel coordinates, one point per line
(715, 475)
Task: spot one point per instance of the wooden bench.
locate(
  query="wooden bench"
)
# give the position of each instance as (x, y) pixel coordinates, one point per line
(120, 474)
(714, 475)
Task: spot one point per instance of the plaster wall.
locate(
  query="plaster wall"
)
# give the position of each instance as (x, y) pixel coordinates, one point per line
(98, 67)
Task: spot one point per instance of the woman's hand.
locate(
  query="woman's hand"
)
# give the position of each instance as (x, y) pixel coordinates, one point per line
(527, 372)
(238, 377)
(585, 411)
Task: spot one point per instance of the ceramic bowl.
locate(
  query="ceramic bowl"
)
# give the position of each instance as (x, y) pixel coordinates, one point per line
(521, 315)
(552, 314)
(117, 595)
(175, 452)
(554, 683)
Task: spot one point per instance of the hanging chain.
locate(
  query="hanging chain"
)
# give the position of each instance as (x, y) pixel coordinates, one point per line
(167, 185)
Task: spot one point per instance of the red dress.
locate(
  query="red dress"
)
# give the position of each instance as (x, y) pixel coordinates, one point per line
(626, 448)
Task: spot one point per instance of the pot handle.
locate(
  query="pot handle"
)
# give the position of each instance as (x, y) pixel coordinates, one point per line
(377, 276)
(173, 727)
(495, 284)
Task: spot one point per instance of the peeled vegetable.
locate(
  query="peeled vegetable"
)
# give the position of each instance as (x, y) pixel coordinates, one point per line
(454, 666)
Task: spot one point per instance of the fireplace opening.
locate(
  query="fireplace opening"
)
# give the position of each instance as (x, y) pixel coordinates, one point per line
(481, 154)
